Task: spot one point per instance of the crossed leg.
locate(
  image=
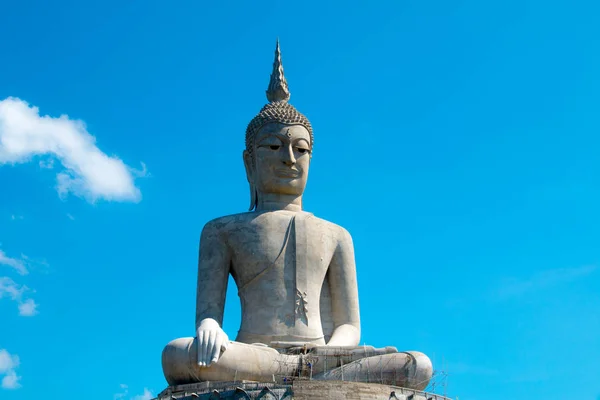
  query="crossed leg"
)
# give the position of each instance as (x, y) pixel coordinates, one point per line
(261, 363)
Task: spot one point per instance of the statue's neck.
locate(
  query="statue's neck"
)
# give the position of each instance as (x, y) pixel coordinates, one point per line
(275, 201)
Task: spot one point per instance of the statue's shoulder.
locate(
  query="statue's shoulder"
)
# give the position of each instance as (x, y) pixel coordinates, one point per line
(337, 231)
(226, 223)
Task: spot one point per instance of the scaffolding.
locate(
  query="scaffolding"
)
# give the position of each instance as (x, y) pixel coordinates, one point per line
(338, 364)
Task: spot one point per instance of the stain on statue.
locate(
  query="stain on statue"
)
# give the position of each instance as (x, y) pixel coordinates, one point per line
(295, 274)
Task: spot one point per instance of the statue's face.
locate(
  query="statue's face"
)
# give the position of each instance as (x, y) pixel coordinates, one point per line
(282, 158)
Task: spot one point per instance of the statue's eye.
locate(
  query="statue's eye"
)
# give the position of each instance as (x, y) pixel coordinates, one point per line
(274, 147)
(301, 150)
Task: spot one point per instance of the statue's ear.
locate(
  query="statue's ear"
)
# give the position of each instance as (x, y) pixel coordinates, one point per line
(250, 176)
(249, 166)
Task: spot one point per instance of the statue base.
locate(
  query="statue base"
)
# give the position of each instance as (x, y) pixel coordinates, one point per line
(299, 389)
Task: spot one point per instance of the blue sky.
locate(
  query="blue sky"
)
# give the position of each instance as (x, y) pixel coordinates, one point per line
(457, 142)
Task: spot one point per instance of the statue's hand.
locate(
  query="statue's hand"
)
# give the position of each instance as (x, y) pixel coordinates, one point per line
(211, 341)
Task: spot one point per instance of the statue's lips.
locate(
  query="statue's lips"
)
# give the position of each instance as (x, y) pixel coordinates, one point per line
(287, 173)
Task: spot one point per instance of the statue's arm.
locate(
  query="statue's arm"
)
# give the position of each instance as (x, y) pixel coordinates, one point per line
(213, 272)
(344, 294)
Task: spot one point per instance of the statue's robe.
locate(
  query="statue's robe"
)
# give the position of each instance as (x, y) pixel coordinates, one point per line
(250, 357)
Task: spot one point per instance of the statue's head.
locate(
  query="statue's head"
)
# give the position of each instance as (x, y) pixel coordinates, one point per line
(279, 143)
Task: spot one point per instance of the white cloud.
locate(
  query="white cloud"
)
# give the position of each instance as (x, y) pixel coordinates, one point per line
(15, 217)
(72, 218)
(8, 364)
(34, 264)
(28, 308)
(87, 171)
(7, 361)
(141, 173)
(18, 265)
(9, 288)
(123, 392)
(11, 381)
(47, 164)
(147, 395)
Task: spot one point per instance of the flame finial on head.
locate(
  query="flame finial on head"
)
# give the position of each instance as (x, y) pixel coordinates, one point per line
(278, 87)
(278, 109)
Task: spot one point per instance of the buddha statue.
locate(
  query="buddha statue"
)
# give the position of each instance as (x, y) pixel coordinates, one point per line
(295, 274)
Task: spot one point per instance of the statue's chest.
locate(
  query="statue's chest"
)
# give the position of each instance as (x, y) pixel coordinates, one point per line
(287, 251)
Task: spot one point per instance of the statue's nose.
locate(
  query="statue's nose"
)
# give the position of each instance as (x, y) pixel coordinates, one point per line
(288, 156)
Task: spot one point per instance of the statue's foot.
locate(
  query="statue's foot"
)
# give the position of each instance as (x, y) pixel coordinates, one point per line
(410, 369)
